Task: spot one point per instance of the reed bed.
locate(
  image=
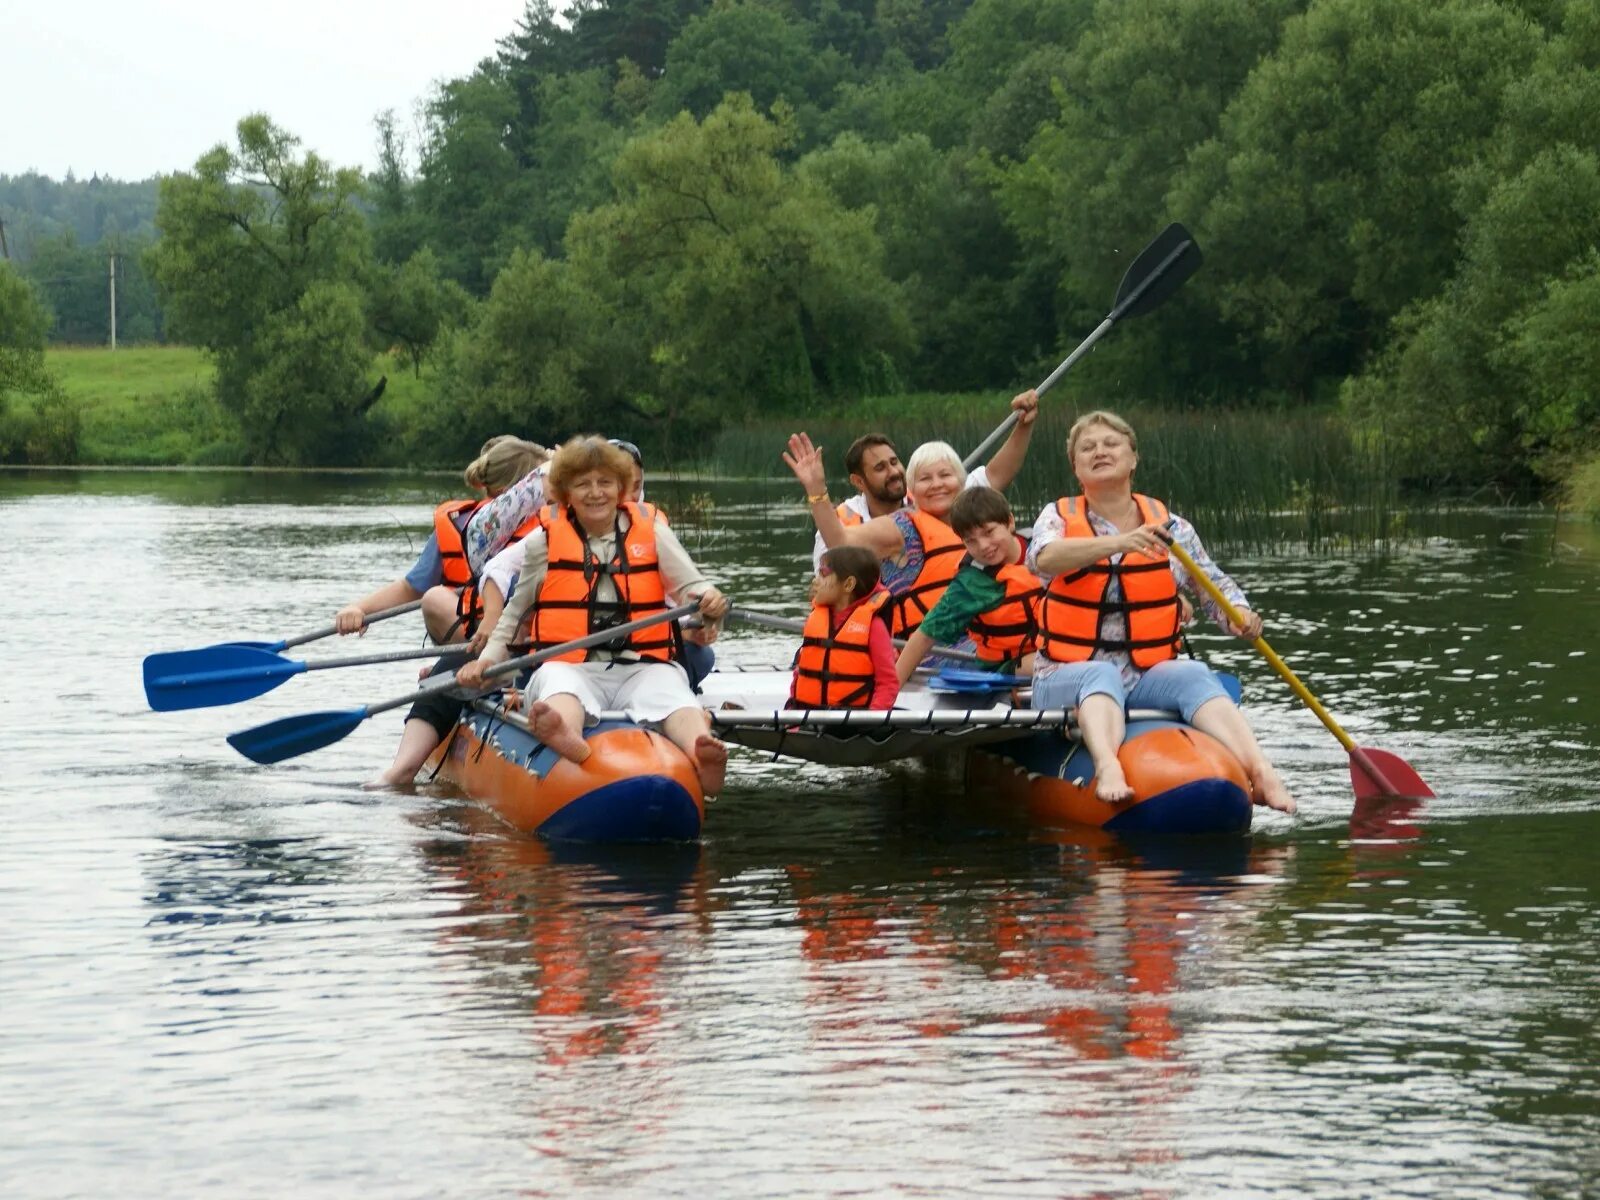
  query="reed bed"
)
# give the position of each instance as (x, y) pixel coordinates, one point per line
(1249, 480)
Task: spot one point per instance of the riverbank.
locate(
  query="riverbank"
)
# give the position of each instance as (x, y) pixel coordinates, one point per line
(153, 406)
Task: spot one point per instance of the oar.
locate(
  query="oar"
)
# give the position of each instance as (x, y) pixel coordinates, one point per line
(291, 736)
(791, 625)
(227, 674)
(1372, 772)
(318, 634)
(1160, 270)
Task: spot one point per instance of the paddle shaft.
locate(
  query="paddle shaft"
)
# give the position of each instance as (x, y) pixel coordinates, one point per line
(287, 667)
(791, 625)
(512, 666)
(382, 614)
(1357, 754)
(1121, 307)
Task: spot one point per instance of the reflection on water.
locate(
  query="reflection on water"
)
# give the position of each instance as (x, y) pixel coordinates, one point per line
(222, 979)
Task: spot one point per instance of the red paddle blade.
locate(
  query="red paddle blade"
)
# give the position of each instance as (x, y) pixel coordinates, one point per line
(1398, 778)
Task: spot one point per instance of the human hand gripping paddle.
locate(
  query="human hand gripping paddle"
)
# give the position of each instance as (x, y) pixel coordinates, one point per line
(1160, 270)
(289, 737)
(1373, 773)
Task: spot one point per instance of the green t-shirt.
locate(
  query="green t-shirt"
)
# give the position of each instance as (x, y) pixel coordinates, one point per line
(971, 593)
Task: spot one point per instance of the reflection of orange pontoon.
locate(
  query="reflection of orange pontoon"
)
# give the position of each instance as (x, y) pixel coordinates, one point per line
(581, 934)
(1109, 944)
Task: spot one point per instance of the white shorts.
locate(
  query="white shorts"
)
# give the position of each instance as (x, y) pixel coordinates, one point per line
(647, 692)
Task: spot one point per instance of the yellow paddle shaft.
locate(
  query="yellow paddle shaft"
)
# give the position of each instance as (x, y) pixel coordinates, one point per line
(1267, 652)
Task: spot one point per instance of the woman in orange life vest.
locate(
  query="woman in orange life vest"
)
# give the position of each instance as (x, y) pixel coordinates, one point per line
(605, 562)
(445, 572)
(918, 549)
(499, 578)
(846, 659)
(1109, 621)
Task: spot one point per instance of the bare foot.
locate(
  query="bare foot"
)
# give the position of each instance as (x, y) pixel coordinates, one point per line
(1110, 784)
(549, 728)
(710, 763)
(1268, 789)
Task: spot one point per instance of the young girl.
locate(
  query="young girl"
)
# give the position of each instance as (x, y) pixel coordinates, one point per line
(846, 658)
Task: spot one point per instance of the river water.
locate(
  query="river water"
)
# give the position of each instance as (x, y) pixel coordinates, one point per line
(223, 979)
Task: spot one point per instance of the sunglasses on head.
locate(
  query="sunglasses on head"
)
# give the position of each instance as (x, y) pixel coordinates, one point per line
(824, 571)
(628, 448)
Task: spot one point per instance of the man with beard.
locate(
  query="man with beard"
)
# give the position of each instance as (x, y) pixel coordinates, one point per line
(876, 473)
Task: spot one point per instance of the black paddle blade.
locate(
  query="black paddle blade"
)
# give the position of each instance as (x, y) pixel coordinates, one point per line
(1160, 270)
(291, 736)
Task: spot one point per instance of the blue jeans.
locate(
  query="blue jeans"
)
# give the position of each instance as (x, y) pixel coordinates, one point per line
(697, 662)
(1178, 685)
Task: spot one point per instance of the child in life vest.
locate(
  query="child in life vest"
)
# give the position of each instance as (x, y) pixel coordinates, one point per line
(993, 601)
(846, 657)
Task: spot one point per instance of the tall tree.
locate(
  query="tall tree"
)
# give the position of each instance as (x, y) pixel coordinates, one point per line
(38, 423)
(752, 49)
(740, 282)
(264, 257)
(1326, 202)
(470, 184)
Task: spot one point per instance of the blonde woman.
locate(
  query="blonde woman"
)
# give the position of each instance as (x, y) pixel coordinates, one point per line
(1111, 613)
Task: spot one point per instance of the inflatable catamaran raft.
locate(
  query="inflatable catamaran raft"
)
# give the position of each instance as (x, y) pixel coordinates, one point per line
(637, 786)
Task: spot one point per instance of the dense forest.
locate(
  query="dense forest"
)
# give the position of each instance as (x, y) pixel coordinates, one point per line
(662, 215)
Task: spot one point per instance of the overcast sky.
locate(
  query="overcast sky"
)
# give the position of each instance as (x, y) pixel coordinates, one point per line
(133, 88)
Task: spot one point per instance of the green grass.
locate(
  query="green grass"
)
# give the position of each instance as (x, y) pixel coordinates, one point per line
(141, 405)
(153, 406)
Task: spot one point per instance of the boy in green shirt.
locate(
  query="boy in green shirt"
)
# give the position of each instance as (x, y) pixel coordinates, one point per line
(993, 599)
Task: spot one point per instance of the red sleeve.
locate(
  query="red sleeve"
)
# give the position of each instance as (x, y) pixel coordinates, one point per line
(885, 679)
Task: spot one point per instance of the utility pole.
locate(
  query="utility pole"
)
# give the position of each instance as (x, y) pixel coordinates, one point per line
(5, 251)
(113, 300)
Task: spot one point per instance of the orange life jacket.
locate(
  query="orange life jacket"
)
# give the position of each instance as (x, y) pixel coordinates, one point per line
(1074, 603)
(848, 516)
(565, 607)
(834, 668)
(1011, 628)
(941, 558)
(449, 531)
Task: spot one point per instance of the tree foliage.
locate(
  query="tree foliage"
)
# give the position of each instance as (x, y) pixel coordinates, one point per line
(38, 423)
(673, 212)
(24, 317)
(739, 280)
(264, 257)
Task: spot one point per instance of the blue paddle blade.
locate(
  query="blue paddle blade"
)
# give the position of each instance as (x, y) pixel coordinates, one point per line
(270, 647)
(212, 676)
(956, 679)
(288, 737)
